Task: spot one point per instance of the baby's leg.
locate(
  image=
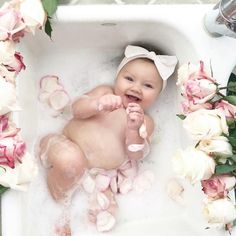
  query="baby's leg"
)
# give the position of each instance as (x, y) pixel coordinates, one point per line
(66, 165)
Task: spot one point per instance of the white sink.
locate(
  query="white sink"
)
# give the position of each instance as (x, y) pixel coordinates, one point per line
(87, 45)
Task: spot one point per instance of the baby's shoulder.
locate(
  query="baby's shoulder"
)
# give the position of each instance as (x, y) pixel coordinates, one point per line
(101, 90)
(105, 88)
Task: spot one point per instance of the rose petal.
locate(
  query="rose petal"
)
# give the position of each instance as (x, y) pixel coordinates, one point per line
(103, 201)
(59, 99)
(126, 186)
(105, 221)
(88, 184)
(175, 190)
(102, 182)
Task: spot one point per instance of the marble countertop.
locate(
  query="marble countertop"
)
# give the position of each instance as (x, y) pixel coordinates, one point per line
(71, 2)
(74, 2)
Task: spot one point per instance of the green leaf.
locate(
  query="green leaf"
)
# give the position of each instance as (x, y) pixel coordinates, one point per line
(3, 189)
(222, 169)
(181, 116)
(231, 99)
(231, 87)
(231, 123)
(233, 158)
(48, 28)
(232, 141)
(50, 6)
(232, 79)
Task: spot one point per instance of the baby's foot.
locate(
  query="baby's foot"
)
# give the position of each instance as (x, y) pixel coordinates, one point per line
(63, 230)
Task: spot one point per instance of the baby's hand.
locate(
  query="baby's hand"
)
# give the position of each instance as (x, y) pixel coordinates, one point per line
(109, 102)
(135, 116)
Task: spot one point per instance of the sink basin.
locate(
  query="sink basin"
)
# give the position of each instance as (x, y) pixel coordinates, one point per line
(86, 47)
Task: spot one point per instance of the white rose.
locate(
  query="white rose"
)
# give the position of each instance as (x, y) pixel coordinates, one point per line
(193, 164)
(8, 97)
(205, 124)
(219, 212)
(218, 145)
(20, 177)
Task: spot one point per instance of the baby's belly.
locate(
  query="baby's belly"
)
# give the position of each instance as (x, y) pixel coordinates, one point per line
(102, 144)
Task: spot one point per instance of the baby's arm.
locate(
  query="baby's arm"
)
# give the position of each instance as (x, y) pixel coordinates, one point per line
(99, 99)
(136, 118)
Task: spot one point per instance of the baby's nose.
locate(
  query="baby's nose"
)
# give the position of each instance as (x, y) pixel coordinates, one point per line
(136, 89)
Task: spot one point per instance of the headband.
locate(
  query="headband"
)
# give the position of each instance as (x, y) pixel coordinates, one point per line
(164, 64)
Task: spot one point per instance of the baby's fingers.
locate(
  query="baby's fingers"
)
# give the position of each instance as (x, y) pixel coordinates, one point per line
(117, 102)
(135, 116)
(134, 107)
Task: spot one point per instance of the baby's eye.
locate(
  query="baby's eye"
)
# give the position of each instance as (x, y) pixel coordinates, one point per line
(148, 85)
(129, 78)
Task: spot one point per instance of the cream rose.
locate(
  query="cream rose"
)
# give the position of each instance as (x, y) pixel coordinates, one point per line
(193, 164)
(219, 212)
(218, 145)
(205, 124)
(20, 177)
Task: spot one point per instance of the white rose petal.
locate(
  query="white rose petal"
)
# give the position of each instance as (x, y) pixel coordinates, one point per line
(218, 145)
(193, 165)
(105, 221)
(33, 14)
(205, 124)
(175, 190)
(6, 74)
(7, 52)
(103, 200)
(219, 212)
(88, 184)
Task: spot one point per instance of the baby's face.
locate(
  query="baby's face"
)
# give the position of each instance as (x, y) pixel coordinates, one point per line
(138, 82)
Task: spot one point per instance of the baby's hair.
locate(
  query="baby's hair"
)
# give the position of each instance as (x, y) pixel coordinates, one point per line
(150, 47)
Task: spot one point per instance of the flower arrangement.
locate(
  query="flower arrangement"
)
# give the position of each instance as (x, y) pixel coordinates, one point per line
(209, 117)
(17, 18)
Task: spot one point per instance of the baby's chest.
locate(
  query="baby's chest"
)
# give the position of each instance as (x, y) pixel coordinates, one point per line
(112, 122)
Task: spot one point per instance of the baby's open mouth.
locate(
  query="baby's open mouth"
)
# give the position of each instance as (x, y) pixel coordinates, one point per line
(133, 98)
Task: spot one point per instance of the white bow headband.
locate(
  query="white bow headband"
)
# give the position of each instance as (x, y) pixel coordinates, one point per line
(164, 64)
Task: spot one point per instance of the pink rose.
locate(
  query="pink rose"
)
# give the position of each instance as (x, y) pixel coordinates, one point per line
(11, 150)
(17, 63)
(11, 24)
(228, 109)
(199, 87)
(218, 186)
(7, 128)
(189, 106)
(3, 123)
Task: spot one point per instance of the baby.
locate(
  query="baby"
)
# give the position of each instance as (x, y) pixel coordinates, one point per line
(109, 124)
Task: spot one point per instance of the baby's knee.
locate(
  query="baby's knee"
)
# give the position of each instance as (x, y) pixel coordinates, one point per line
(70, 163)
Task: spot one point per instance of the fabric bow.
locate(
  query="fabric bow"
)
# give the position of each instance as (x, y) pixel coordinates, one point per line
(164, 64)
